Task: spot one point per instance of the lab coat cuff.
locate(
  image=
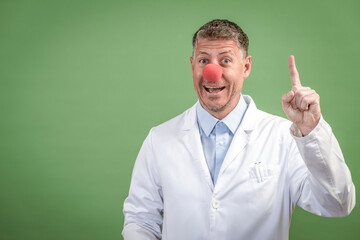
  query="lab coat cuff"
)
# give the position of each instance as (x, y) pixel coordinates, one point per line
(321, 126)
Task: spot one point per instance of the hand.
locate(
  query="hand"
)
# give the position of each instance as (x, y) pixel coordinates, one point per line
(302, 104)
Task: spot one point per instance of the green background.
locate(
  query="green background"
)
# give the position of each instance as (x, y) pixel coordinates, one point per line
(82, 83)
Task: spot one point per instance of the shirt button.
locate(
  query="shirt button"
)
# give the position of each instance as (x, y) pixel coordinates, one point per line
(221, 143)
(215, 204)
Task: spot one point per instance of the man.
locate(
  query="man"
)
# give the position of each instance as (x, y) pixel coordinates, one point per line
(224, 169)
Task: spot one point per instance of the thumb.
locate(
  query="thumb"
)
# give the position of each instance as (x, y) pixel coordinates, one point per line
(287, 97)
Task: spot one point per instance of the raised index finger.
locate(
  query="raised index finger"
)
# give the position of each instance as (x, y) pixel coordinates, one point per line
(294, 75)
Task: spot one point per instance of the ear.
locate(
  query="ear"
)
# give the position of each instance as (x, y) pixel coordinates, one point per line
(247, 66)
(192, 63)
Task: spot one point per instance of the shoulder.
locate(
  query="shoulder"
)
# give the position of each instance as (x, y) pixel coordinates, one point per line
(176, 125)
(272, 121)
(263, 123)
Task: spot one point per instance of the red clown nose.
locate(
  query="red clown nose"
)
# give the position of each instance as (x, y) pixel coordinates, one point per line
(212, 72)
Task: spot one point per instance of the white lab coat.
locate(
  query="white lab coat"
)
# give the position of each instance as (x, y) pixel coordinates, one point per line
(265, 174)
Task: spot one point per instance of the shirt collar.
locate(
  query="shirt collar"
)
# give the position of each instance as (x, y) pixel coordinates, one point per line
(233, 120)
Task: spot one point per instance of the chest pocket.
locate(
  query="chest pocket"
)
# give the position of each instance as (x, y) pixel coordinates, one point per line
(266, 186)
(260, 172)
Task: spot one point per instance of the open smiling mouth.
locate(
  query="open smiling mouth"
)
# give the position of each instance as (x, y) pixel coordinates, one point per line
(214, 89)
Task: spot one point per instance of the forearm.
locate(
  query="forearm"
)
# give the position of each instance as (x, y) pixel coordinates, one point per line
(330, 179)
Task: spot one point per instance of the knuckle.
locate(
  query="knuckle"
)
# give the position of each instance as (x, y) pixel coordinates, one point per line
(301, 94)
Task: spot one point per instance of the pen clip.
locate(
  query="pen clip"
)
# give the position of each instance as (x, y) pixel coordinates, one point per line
(259, 170)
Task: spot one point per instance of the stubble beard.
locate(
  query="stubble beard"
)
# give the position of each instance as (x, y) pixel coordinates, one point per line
(217, 109)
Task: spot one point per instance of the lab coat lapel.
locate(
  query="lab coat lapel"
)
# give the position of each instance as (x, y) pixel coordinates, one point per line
(239, 142)
(192, 141)
(242, 135)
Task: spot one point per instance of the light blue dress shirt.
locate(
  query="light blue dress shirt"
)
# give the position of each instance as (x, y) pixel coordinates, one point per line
(216, 135)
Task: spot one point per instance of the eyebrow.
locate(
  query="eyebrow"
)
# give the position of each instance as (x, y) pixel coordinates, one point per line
(226, 52)
(203, 53)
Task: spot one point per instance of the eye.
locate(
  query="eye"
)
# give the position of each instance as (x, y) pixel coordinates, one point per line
(226, 60)
(203, 61)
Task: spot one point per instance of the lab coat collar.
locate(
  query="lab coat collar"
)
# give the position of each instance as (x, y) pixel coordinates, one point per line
(192, 139)
(207, 122)
(250, 119)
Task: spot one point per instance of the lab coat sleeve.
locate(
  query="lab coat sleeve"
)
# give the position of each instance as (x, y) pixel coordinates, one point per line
(143, 207)
(323, 184)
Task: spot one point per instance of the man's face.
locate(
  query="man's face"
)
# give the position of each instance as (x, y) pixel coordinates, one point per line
(220, 97)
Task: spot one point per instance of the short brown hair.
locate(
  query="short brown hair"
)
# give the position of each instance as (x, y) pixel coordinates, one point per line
(221, 29)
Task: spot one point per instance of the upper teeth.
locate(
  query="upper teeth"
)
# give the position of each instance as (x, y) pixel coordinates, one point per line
(213, 87)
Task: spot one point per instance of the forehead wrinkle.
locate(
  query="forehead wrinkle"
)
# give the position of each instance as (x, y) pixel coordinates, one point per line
(229, 52)
(211, 47)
